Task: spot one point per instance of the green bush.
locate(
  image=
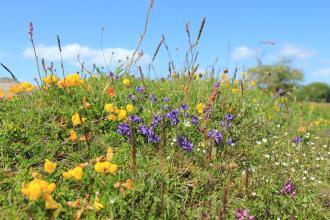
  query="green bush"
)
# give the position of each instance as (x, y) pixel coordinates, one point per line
(315, 92)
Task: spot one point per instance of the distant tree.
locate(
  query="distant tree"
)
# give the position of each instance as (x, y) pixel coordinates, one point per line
(279, 76)
(314, 92)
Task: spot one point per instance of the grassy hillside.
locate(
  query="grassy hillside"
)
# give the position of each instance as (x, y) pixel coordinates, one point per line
(164, 149)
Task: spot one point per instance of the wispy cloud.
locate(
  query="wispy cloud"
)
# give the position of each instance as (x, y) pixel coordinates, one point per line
(87, 54)
(323, 72)
(243, 52)
(294, 51)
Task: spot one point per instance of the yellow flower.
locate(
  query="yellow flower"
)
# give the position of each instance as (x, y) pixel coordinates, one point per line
(50, 79)
(22, 87)
(130, 108)
(121, 115)
(2, 94)
(75, 173)
(49, 166)
(112, 117)
(109, 108)
(105, 167)
(200, 108)
(236, 82)
(73, 135)
(50, 203)
(97, 204)
(253, 83)
(71, 81)
(109, 154)
(77, 120)
(47, 187)
(126, 82)
(33, 190)
(235, 90)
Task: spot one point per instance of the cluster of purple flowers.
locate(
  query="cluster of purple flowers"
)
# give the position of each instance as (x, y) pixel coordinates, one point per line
(155, 121)
(243, 214)
(227, 122)
(148, 133)
(230, 141)
(139, 89)
(153, 98)
(173, 116)
(289, 189)
(123, 129)
(216, 136)
(184, 143)
(194, 120)
(135, 118)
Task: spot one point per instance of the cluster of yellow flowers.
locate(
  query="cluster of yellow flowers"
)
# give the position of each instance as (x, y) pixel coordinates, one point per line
(75, 173)
(117, 114)
(39, 188)
(71, 81)
(21, 87)
(106, 166)
(225, 80)
(50, 79)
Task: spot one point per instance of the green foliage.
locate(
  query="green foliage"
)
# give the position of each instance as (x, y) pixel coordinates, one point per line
(177, 185)
(314, 92)
(276, 76)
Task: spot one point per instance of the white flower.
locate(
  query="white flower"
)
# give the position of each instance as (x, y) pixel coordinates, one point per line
(267, 155)
(313, 178)
(258, 142)
(264, 140)
(304, 178)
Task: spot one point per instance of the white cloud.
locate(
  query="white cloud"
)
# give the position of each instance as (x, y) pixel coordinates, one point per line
(243, 53)
(324, 72)
(296, 52)
(87, 54)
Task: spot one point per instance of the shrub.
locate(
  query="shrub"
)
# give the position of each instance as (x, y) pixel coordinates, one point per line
(315, 92)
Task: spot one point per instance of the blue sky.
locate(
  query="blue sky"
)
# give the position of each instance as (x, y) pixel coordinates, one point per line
(233, 31)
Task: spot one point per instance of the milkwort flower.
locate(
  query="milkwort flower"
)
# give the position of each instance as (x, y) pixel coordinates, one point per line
(289, 189)
(297, 139)
(153, 98)
(184, 143)
(229, 117)
(131, 97)
(174, 117)
(155, 121)
(184, 107)
(166, 99)
(135, 118)
(148, 133)
(139, 89)
(243, 214)
(194, 120)
(123, 129)
(216, 136)
(230, 141)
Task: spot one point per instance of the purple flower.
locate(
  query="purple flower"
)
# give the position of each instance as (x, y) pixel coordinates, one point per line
(123, 129)
(131, 97)
(230, 141)
(139, 89)
(166, 99)
(174, 117)
(184, 107)
(155, 121)
(135, 118)
(216, 84)
(229, 117)
(297, 139)
(194, 120)
(148, 133)
(153, 98)
(215, 135)
(288, 189)
(243, 214)
(184, 143)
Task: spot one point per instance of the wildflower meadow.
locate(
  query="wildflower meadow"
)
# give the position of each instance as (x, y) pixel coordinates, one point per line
(98, 144)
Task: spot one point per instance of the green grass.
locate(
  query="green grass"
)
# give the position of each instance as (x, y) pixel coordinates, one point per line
(178, 184)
